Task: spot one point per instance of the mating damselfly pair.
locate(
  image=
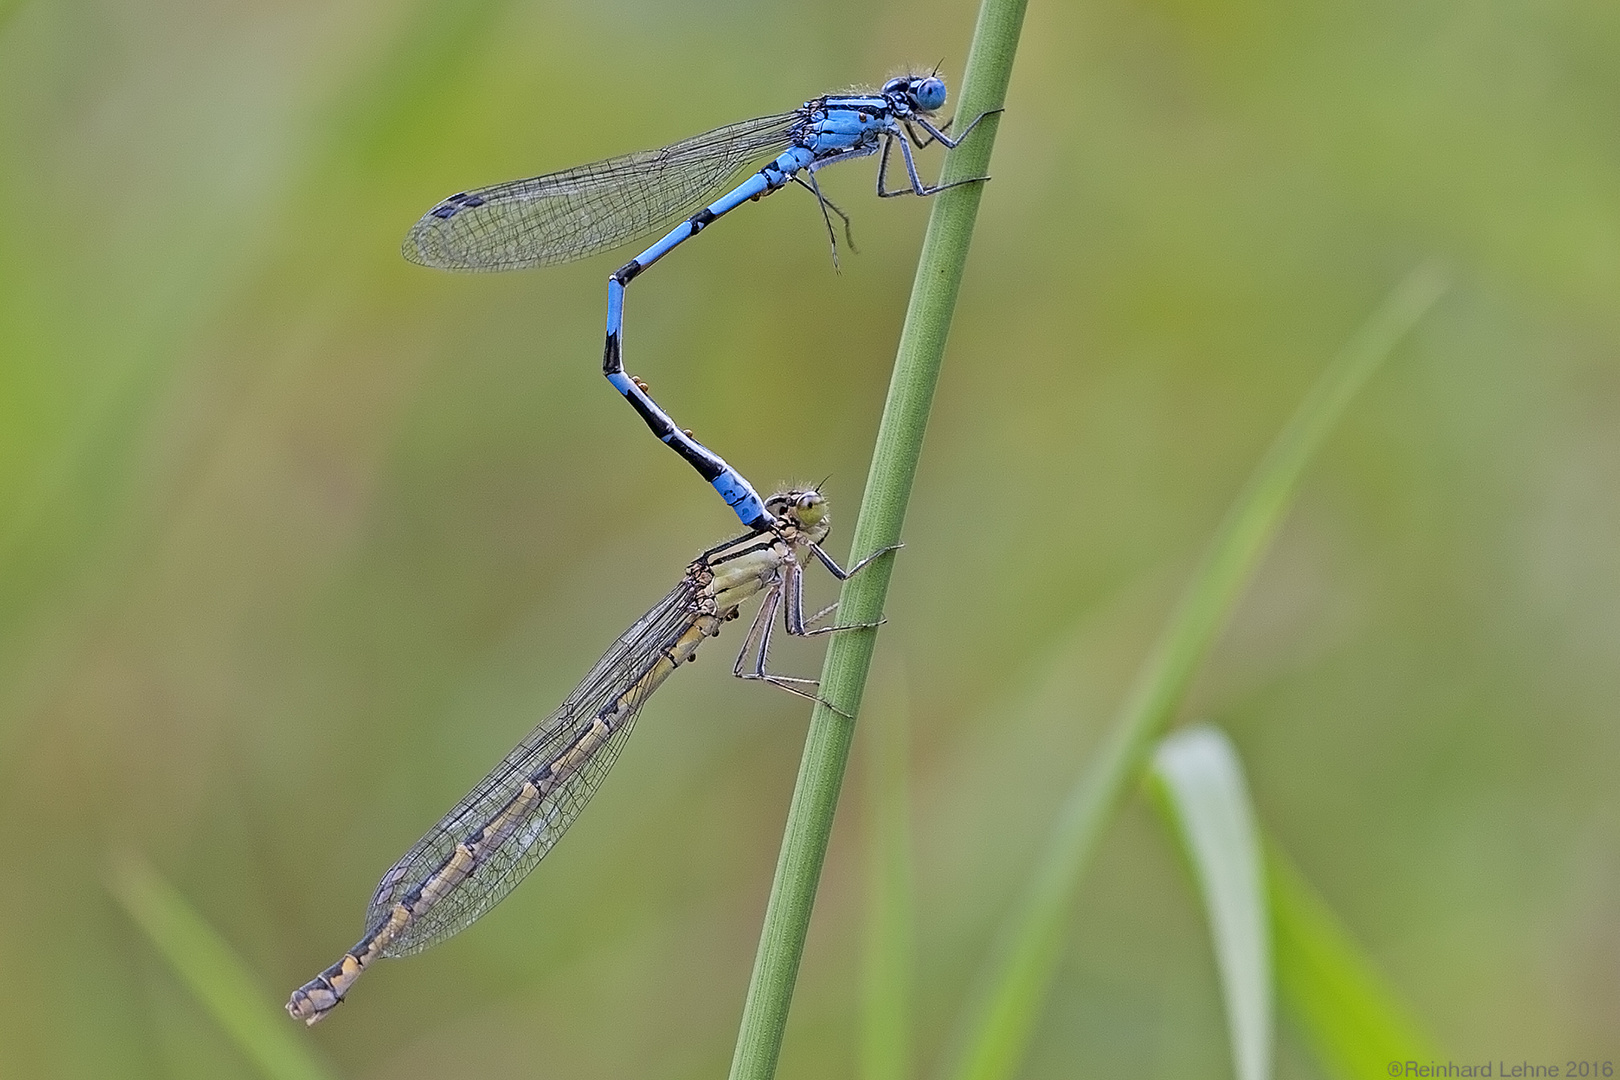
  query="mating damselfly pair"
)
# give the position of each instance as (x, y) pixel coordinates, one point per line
(496, 834)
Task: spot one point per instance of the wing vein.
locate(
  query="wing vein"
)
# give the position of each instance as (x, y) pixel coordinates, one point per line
(534, 828)
(568, 215)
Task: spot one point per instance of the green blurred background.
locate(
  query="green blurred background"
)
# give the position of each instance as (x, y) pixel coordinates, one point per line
(297, 539)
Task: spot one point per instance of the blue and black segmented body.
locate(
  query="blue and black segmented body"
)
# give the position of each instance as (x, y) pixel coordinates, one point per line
(578, 212)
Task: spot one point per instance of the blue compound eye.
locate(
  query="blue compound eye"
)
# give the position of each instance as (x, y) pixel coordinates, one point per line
(930, 94)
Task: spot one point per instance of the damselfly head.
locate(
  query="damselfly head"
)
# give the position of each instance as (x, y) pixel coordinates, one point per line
(922, 93)
(805, 509)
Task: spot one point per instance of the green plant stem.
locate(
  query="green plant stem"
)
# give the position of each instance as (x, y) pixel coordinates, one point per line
(883, 511)
(1000, 1026)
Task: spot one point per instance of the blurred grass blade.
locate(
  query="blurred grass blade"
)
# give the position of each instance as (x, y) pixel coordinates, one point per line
(1199, 782)
(1349, 1015)
(1332, 990)
(890, 941)
(1003, 1016)
(213, 973)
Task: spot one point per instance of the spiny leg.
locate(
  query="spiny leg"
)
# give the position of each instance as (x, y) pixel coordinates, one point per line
(917, 186)
(883, 172)
(827, 204)
(838, 571)
(937, 134)
(822, 614)
(796, 596)
(922, 144)
(759, 632)
(910, 138)
(758, 642)
(794, 619)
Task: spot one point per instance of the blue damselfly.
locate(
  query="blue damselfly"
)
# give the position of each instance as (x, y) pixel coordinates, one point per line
(483, 847)
(580, 211)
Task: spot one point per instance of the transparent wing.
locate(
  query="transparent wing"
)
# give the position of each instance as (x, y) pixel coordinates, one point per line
(532, 829)
(580, 211)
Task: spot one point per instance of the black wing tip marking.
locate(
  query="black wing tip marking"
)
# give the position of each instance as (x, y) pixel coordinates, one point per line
(455, 204)
(425, 247)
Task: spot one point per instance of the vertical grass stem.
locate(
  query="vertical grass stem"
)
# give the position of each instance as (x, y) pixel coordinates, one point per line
(883, 511)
